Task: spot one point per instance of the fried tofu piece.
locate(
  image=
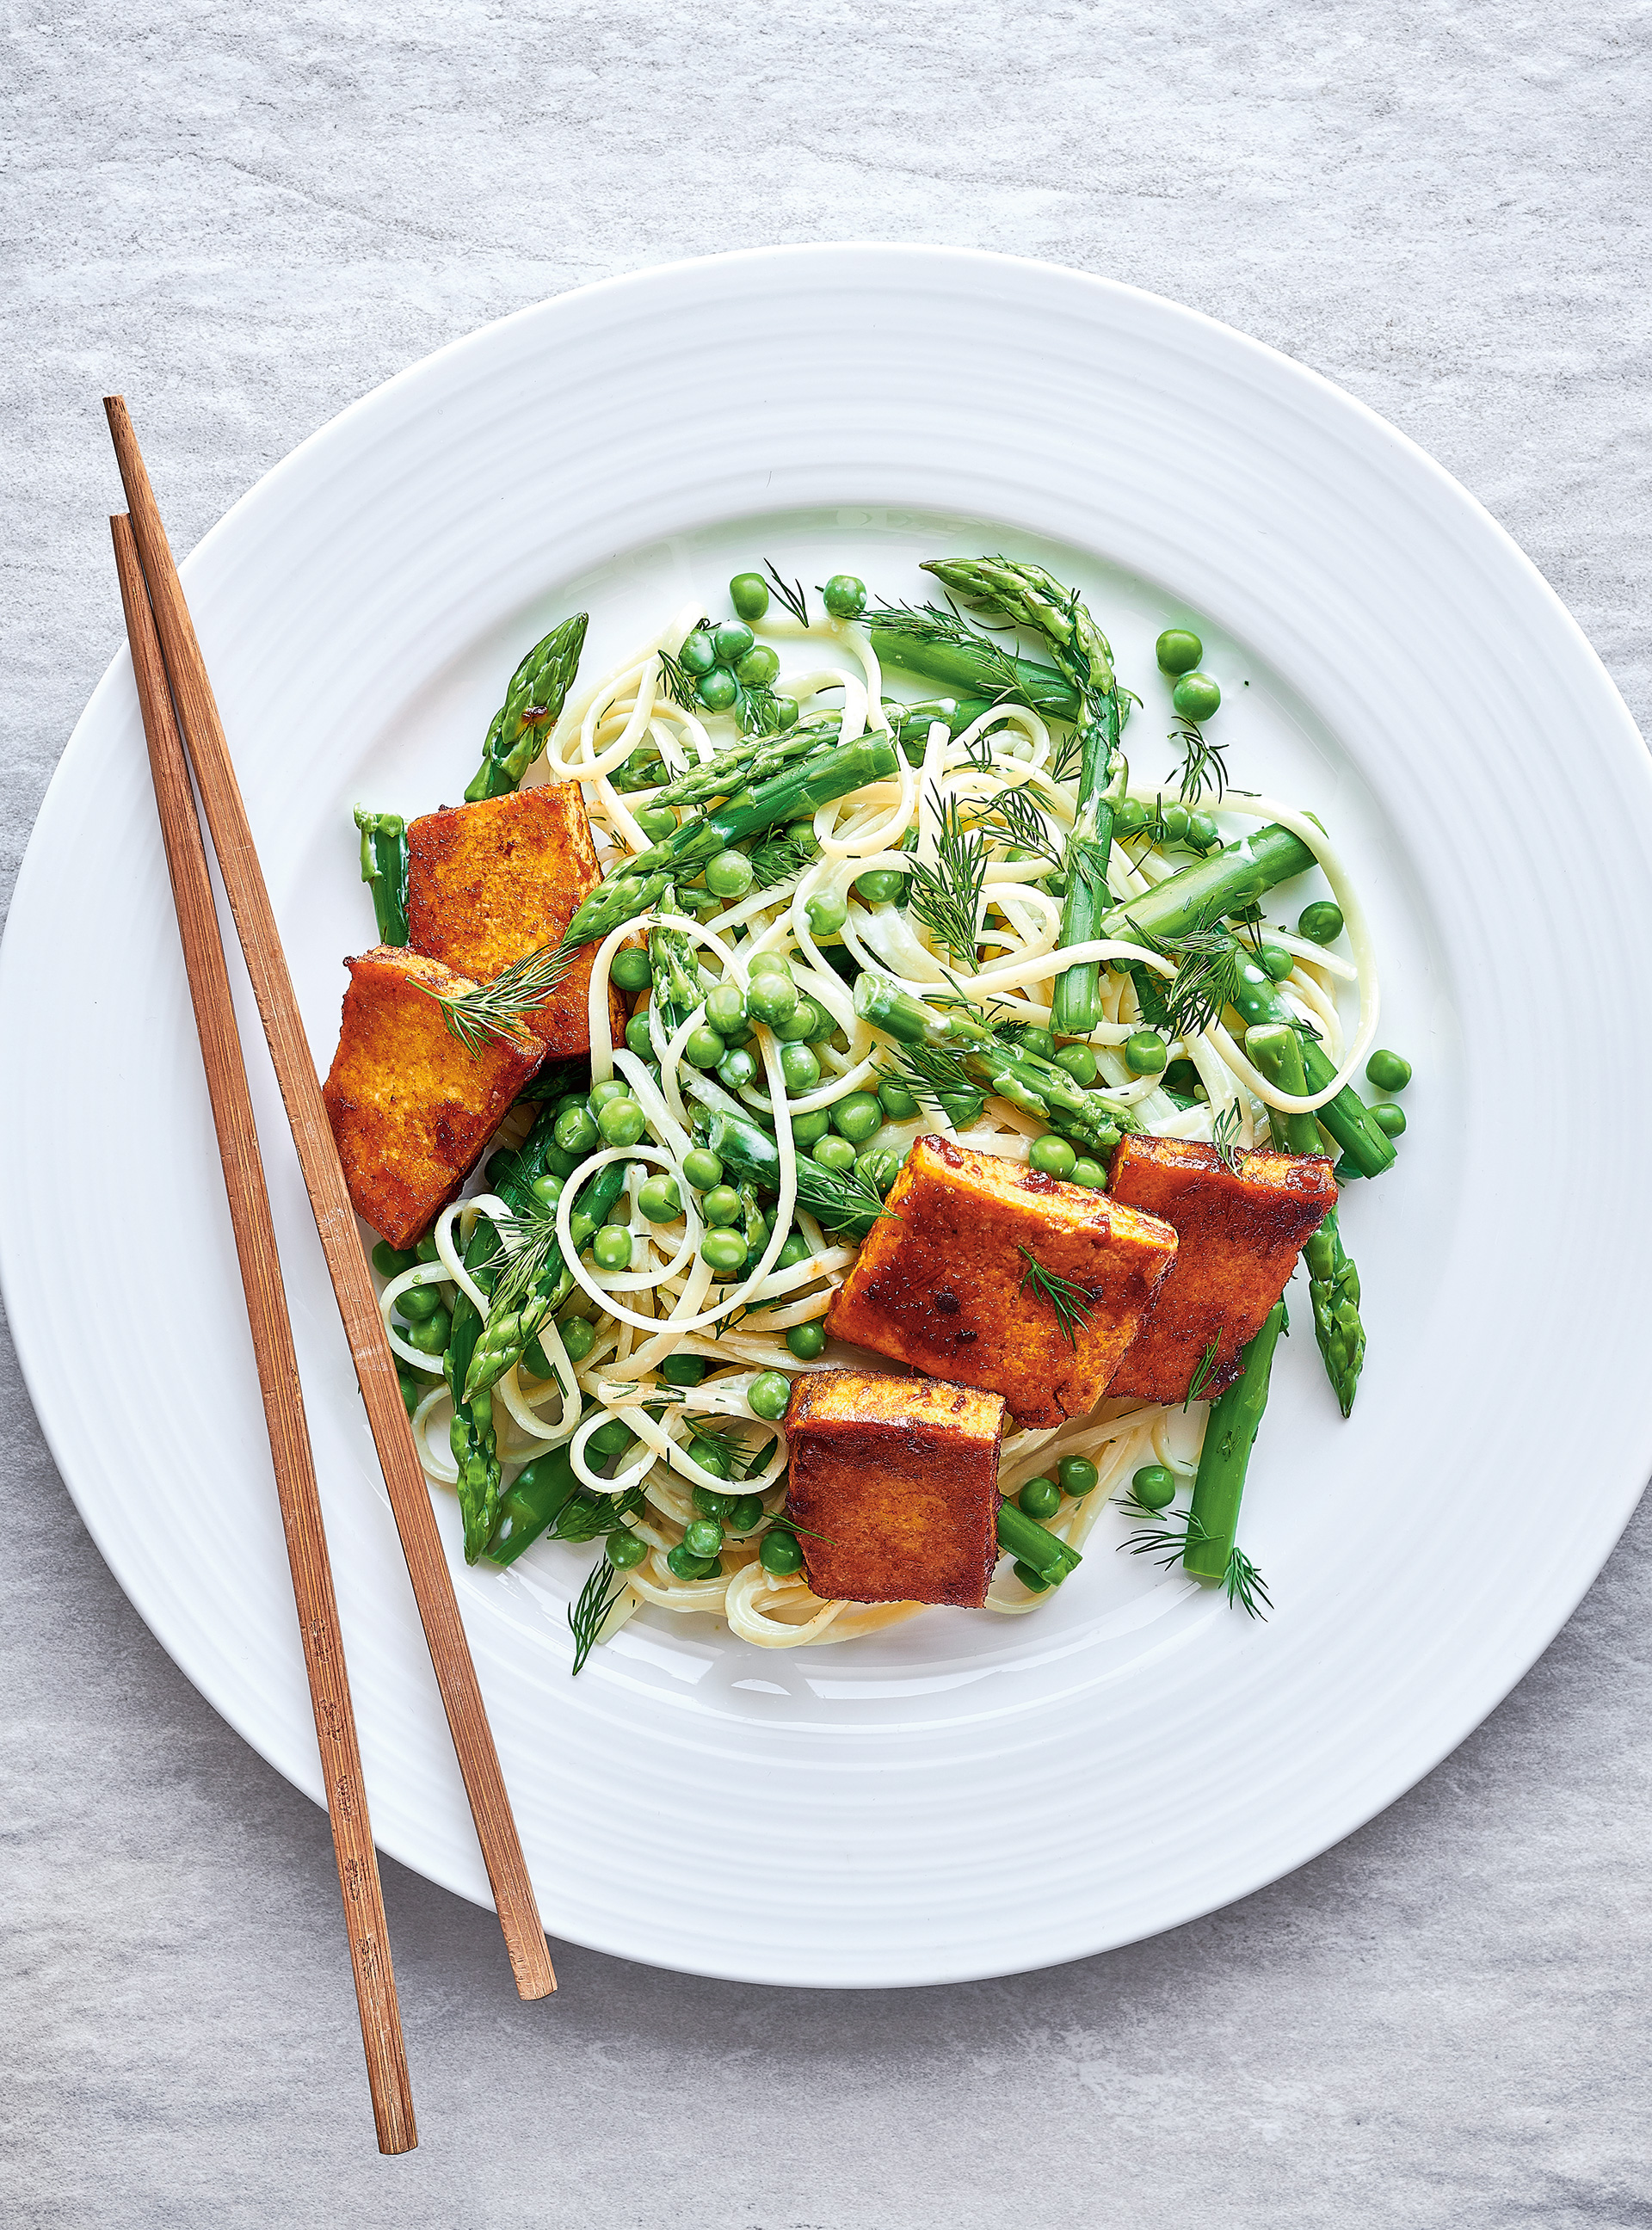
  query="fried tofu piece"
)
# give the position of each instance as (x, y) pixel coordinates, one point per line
(411, 1110)
(896, 1481)
(489, 883)
(1240, 1235)
(944, 1282)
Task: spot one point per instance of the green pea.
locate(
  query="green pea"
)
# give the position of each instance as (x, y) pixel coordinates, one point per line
(725, 1009)
(749, 594)
(844, 596)
(1320, 922)
(746, 1515)
(807, 1129)
(1195, 697)
(684, 1369)
(631, 969)
(702, 1536)
(611, 1247)
(1077, 1476)
(806, 1340)
(773, 1000)
(626, 1549)
(419, 1303)
(612, 1087)
(768, 1397)
(1388, 1072)
(1179, 651)
(1154, 1486)
(799, 1067)
(1145, 1052)
(412, 1392)
(721, 1205)
(638, 1038)
(1040, 1497)
(610, 1438)
(898, 1103)
(686, 1566)
(1389, 1117)
(704, 1048)
(726, 1251)
(827, 914)
(757, 668)
(710, 1455)
(578, 1337)
(501, 1167)
(880, 1166)
(702, 1169)
(780, 1554)
(1129, 818)
(621, 1122)
(1034, 1040)
(785, 713)
(717, 689)
(858, 1116)
(732, 641)
(835, 1153)
(659, 1199)
(1052, 1156)
(1079, 1062)
(1202, 832)
(729, 875)
(708, 1501)
(737, 1068)
(796, 1249)
(1174, 821)
(1276, 963)
(1034, 1581)
(802, 1024)
(768, 963)
(880, 886)
(431, 1337)
(391, 1261)
(1089, 1173)
(699, 653)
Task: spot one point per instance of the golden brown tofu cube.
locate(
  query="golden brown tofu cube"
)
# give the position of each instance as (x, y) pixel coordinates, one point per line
(411, 1110)
(894, 1484)
(1240, 1235)
(489, 883)
(945, 1283)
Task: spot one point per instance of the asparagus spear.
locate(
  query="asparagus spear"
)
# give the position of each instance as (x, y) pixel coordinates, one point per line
(1229, 1431)
(939, 646)
(1333, 1282)
(384, 869)
(539, 690)
(1027, 597)
(951, 1049)
(1228, 881)
(548, 1282)
(1033, 1545)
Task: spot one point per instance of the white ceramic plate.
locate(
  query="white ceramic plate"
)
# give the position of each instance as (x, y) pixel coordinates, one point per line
(963, 1796)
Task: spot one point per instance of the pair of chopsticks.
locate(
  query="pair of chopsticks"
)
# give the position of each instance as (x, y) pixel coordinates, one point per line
(170, 673)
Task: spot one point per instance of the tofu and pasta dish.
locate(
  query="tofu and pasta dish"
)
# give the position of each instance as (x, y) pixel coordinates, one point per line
(831, 1126)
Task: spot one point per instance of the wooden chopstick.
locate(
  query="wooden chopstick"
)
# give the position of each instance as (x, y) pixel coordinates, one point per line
(278, 1379)
(261, 943)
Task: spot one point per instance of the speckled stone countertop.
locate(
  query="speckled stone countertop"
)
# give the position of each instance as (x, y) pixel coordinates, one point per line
(245, 218)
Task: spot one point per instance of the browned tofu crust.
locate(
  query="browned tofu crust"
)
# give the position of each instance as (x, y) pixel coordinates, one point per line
(896, 1481)
(411, 1110)
(1240, 1235)
(942, 1282)
(489, 883)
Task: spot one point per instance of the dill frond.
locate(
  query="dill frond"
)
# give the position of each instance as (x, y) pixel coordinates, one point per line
(791, 594)
(1071, 1302)
(500, 1009)
(947, 897)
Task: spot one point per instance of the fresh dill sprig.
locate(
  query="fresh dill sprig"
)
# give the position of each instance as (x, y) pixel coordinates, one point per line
(791, 594)
(1200, 760)
(1242, 1584)
(780, 861)
(585, 1519)
(937, 1077)
(1071, 1302)
(947, 896)
(586, 1617)
(1224, 1136)
(741, 1460)
(860, 1196)
(758, 711)
(1206, 978)
(676, 685)
(500, 1009)
(928, 624)
(1167, 1544)
(1025, 825)
(526, 1244)
(1205, 1372)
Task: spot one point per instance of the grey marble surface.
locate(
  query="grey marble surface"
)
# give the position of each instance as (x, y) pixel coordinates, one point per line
(245, 218)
